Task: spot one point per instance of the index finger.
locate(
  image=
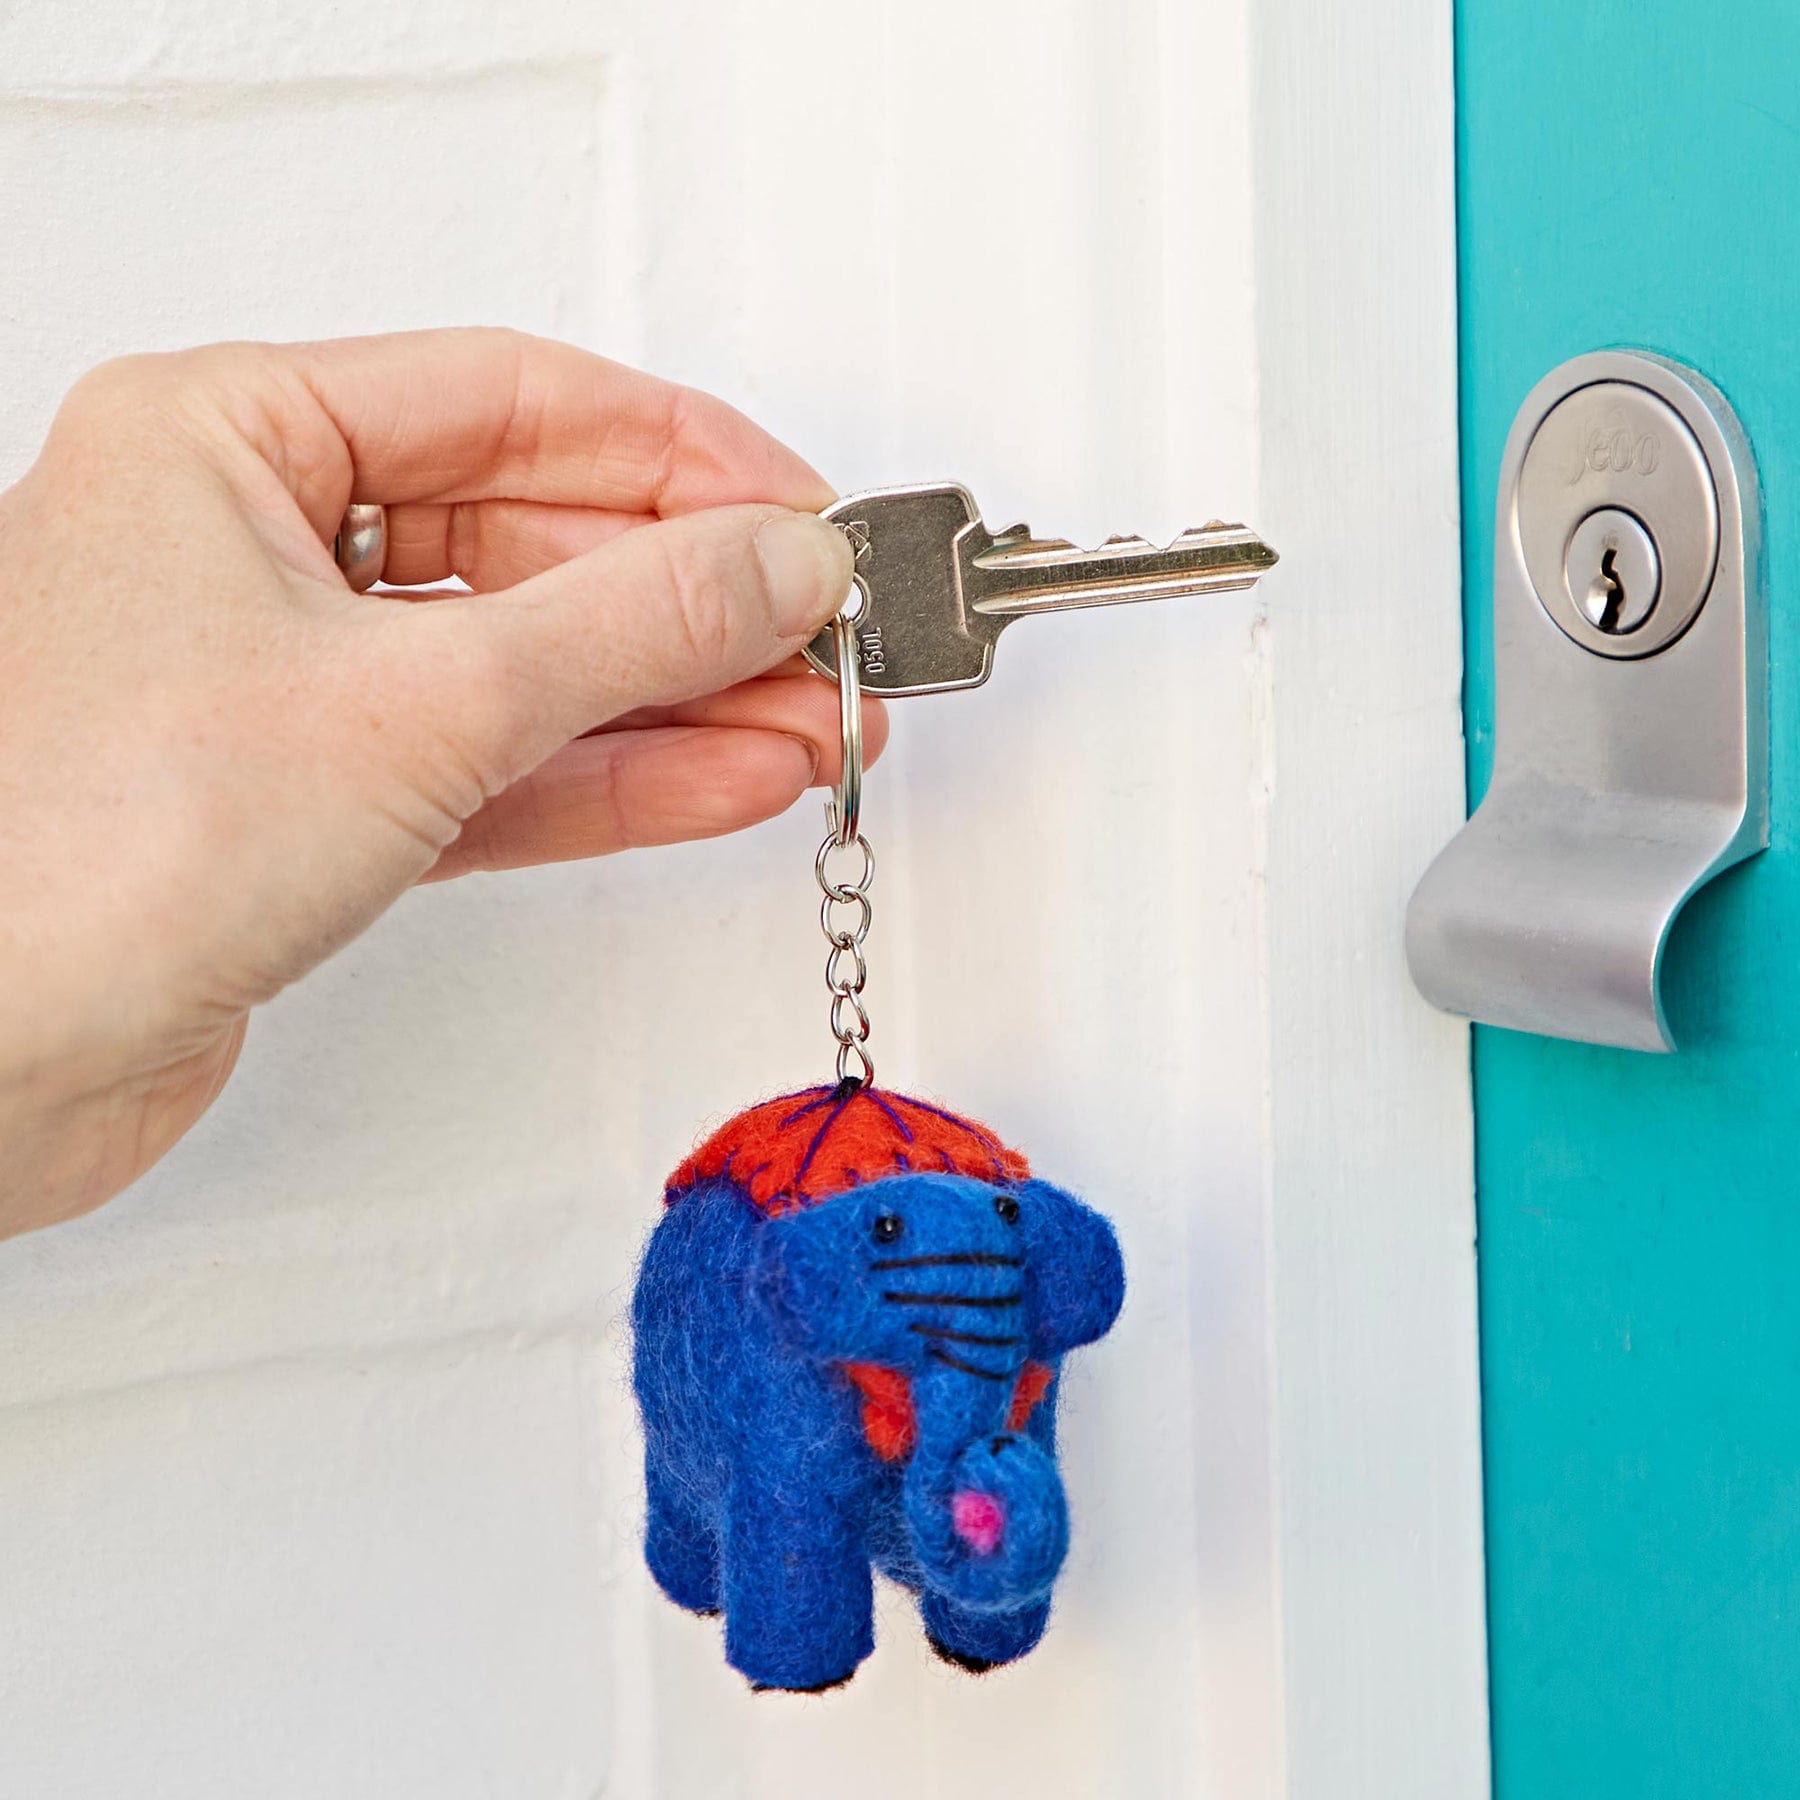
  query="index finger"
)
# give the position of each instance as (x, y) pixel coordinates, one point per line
(483, 414)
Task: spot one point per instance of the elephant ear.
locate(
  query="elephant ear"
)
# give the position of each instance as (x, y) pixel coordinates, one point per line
(796, 1280)
(809, 1278)
(1074, 1272)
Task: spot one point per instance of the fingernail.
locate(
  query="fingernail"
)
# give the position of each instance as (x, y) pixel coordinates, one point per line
(807, 564)
(811, 751)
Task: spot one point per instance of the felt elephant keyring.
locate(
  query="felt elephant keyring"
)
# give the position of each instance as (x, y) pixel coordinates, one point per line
(850, 1324)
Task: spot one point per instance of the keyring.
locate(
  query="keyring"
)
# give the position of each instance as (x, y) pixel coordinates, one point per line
(843, 812)
(360, 547)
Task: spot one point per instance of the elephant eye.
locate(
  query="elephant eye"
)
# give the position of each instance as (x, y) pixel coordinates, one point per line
(888, 1228)
(1007, 1207)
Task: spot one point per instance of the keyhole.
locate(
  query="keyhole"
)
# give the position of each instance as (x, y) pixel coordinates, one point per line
(1611, 577)
(1606, 598)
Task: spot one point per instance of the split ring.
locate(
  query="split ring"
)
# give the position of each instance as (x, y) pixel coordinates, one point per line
(844, 810)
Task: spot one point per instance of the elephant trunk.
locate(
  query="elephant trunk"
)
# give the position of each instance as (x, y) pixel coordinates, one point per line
(984, 1506)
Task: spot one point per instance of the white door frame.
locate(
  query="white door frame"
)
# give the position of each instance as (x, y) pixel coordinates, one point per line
(1377, 1411)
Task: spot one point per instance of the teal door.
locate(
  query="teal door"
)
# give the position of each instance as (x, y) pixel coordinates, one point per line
(1629, 174)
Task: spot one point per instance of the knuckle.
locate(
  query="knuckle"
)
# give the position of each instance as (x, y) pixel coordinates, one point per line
(504, 339)
(156, 395)
(672, 428)
(704, 583)
(111, 390)
(508, 338)
(475, 841)
(464, 538)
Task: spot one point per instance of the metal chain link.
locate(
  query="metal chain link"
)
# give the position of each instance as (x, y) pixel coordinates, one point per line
(846, 971)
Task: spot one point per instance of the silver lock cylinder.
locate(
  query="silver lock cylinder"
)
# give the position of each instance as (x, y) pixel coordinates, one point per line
(1630, 706)
(1614, 465)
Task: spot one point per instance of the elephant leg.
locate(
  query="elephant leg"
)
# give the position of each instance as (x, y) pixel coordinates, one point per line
(979, 1641)
(799, 1598)
(681, 1548)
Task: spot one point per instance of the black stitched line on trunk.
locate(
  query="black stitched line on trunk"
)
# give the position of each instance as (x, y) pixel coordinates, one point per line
(954, 1299)
(963, 1337)
(967, 1259)
(968, 1368)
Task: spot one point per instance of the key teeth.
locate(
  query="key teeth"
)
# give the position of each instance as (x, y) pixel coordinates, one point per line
(1127, 543)
(1017, 553)
(1121, 543)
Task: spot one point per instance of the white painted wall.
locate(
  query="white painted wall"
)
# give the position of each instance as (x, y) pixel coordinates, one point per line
(317, 1467)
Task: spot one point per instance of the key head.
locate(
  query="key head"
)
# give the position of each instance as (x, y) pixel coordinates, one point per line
(913, 633)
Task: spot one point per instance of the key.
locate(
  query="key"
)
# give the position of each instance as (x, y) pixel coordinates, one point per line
(938, 587)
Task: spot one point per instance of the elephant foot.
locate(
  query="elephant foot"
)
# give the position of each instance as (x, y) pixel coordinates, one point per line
(818, 1687)
(799, 1599)
(791, 1667)
(682, 1552)
(692, 1584)
(979, 1641)
(698, 1608)
(957, 1659)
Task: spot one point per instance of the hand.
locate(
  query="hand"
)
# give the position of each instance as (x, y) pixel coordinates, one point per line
(218, 765)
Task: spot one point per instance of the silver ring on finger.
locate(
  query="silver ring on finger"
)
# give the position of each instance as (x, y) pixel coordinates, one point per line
(360, 547)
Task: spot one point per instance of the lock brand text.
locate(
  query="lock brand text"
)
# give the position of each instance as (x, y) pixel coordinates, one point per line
(1615, 449)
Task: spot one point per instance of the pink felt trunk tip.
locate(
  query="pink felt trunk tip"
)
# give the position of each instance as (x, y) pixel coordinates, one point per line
(979, 1520)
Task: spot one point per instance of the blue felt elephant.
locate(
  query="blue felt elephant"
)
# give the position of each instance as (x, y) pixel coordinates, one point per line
(849, 1325)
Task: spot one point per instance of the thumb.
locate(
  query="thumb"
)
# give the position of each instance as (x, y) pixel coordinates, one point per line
(663, 613)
